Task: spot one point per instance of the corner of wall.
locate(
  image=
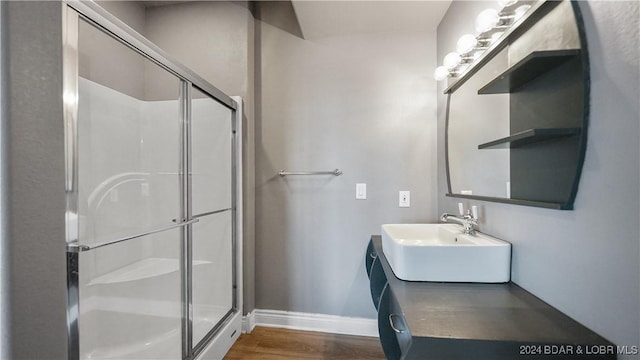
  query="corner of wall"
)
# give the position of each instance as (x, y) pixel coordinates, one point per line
(33, 200)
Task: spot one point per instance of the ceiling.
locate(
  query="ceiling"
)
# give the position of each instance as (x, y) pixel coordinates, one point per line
(323, 18)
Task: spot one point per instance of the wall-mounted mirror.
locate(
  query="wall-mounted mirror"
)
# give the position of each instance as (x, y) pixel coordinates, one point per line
(517, 119)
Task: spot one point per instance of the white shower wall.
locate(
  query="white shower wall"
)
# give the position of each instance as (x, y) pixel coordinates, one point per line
(128, 173)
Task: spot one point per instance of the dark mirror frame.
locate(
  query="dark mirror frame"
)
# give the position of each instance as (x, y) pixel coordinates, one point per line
(537, 11)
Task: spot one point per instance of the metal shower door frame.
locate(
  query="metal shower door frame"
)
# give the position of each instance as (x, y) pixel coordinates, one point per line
(73, 11)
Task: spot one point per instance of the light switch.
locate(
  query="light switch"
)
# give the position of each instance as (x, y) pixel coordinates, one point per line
(361, 191)
(404, 199)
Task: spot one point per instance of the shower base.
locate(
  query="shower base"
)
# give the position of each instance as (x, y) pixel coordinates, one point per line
(147, 334)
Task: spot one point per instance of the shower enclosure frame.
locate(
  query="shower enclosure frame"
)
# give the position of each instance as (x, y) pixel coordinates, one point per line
(226, 330)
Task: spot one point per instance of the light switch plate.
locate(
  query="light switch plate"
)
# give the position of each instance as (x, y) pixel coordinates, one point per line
(404, 199)
(361, 191)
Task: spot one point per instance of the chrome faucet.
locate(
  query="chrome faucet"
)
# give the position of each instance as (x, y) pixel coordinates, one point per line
(468, 220)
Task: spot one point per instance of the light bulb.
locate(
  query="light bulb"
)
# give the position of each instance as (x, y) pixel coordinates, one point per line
(520, 11)
(451, 60)
(505, 3)
(487, 20)
(466, 43)
(441, 73)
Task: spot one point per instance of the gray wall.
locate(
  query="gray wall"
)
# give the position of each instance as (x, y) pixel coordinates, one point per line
(584, 262)
(361, 103)
(33, 199)
(104, 60)
(132, 13)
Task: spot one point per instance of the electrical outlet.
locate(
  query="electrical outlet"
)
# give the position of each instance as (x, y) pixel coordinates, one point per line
(404, 199)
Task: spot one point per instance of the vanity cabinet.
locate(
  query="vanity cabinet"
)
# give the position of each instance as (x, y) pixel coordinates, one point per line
(377, 281)
(392, 326)
(461, 321)
(371, 256)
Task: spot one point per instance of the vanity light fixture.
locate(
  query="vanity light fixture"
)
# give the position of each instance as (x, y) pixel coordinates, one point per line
(495, 37)
(520, 11)
(490, 25)
(451, 60)
(441, 73)
(487, 20)
(466, 43)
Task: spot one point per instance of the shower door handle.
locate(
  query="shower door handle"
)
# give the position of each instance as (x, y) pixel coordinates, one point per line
(76, 248)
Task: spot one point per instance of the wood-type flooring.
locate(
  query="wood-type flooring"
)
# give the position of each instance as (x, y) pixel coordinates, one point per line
(282, 344)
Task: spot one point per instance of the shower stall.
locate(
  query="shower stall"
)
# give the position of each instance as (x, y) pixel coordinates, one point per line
(152, 219)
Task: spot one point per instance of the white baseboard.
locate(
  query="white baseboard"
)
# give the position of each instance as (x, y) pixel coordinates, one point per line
(310, 322)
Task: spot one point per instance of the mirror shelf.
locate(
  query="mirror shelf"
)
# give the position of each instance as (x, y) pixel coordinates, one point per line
(535, 64)
(530, 136)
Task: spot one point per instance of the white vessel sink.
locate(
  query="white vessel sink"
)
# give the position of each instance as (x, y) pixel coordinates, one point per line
(442, 252)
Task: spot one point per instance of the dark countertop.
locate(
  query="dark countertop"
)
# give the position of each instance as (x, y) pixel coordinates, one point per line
(482, 312)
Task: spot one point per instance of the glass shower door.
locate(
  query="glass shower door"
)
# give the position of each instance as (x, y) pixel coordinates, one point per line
(128, 202)
(151, 222)
(211, 193)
